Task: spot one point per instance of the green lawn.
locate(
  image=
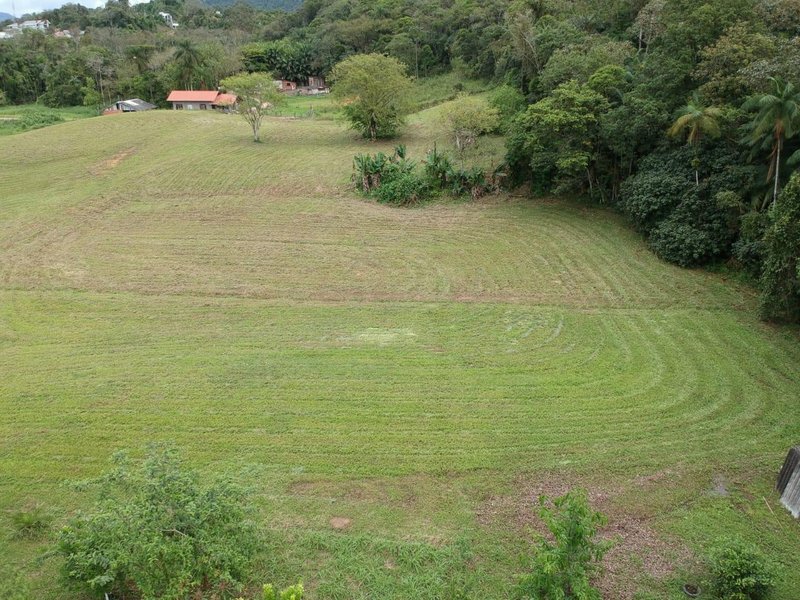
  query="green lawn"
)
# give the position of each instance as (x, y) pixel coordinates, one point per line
(425, 373)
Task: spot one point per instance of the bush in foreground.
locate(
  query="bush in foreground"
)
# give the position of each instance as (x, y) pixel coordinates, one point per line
(156, 532)
(740, 571)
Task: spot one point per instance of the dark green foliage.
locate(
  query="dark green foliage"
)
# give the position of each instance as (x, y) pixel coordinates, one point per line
(780, 279)
(686, 223)
(284, 59)
(554, 143)
(650, 196)
(749, 249)
(681, 243)
(740, 571)
(157, 532)
(562, 568)
(509, 102)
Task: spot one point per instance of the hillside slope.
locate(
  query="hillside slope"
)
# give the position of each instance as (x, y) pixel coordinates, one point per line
(424, 373)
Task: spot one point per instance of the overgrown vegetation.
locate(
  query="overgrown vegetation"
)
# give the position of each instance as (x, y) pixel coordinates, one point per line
(395, 179)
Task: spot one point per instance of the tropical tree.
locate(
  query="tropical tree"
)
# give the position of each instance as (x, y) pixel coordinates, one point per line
(374, 91)
(696, 120)
(189, 60)
(777, 119)
(257, 96)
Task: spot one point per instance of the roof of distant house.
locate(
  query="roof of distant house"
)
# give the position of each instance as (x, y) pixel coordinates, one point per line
(225, 99)
(192, 96)
(137, 103)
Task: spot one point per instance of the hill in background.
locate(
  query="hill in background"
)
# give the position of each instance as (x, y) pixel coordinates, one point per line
(287, 5)
(5, 16)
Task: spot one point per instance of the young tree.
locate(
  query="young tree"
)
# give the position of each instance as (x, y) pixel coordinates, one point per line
(374, 91)
(696, 120)
(562, 569)
(157, 532)
(466, 118)
(257, 96)
(777, 120)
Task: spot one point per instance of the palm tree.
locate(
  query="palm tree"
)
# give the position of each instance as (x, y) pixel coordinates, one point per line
(777, 120)
(697, 120)
(189, 60)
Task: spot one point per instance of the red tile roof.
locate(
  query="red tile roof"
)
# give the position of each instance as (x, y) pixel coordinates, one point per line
(225, 99)
(192, 96)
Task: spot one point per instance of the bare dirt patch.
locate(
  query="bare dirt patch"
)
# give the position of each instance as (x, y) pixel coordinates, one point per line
(340, 523)
(638, 548)
(110, 164)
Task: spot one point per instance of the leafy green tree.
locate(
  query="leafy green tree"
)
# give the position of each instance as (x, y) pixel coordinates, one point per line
(780, 277)
(157, 532)
(555, 142)
(562, 569)
(777, 119)
(374, 91)
(723, 66)
(695, 120)
(257, 97)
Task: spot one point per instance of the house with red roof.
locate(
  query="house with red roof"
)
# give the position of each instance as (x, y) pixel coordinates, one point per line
(200, 100)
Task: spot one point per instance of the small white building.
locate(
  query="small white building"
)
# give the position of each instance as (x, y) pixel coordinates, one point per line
(168, 20)
(41, 25)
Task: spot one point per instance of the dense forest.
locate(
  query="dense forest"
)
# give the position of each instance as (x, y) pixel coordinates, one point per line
(684, 115)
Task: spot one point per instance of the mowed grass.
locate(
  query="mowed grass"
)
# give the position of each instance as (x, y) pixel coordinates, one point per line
(425, 372)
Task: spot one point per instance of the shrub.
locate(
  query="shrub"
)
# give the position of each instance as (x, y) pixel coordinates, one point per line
(157, 532)
(740, 571)
(294, 592)
(402, 190)
(31, 522)
(370, 171)
(680, 243)
(36, 118)
(563, 568)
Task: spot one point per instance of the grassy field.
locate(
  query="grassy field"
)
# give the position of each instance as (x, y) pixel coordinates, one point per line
(425, 373)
